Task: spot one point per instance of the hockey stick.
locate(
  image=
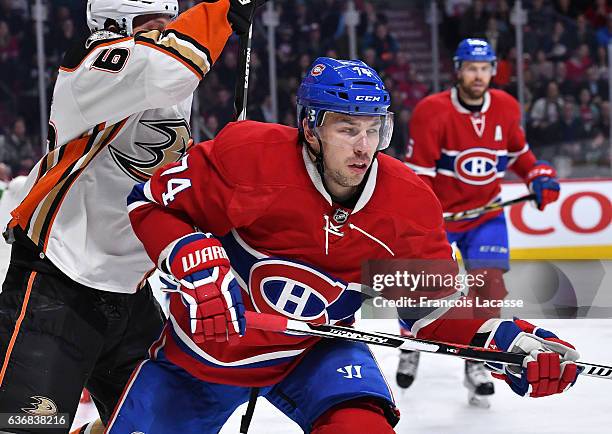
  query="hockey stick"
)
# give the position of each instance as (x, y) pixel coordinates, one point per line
(278, 323)
(453, 217)
(242, 81)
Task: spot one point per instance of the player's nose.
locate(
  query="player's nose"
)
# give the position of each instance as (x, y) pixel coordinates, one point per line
(480, 74)
(361, 141)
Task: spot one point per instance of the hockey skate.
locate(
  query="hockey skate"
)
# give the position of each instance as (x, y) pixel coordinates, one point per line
(479, 384)
(407, 368)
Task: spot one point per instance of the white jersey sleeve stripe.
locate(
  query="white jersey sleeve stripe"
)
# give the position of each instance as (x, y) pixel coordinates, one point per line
(420, 170)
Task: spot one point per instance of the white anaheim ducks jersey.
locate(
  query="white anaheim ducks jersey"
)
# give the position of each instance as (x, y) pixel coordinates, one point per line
(121, 109)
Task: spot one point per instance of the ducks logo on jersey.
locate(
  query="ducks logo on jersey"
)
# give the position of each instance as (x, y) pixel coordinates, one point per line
(152, 156)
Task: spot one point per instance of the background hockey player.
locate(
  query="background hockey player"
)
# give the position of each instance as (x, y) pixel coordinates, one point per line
(462, 142)
(294, 213)
(71, 314)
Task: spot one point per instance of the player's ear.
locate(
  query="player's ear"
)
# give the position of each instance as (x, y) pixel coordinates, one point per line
(308, 133)
(458, 74)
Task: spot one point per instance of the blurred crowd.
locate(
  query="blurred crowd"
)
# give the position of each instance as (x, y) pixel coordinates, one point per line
(566, 66)
(20, 141)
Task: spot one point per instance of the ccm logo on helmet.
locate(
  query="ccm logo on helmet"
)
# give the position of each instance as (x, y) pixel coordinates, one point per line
(367, 98)
(476, 166)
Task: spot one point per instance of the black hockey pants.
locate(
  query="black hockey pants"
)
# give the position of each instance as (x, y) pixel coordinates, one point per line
(58, 336)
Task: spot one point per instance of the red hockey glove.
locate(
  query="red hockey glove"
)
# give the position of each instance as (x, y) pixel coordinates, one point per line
(541, 181)
(208, 287)
(549, 368)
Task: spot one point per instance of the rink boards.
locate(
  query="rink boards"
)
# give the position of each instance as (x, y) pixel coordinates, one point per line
(577, 226)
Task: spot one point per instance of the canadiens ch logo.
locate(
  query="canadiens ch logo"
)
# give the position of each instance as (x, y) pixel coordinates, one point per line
(300, 292)
(317, 70)
(176, 134)
(477, 166)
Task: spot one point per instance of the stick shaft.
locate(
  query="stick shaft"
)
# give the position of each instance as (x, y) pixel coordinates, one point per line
(485, 209)
(277, 323)
(242, 81)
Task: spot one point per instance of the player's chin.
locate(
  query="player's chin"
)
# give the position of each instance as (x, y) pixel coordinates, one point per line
(476, 92)
(353, 180)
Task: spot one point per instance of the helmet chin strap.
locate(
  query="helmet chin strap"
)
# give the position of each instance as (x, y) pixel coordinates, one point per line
(318, 156)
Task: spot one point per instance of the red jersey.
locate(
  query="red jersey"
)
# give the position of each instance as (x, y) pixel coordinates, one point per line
(464, 155)
(293, 251)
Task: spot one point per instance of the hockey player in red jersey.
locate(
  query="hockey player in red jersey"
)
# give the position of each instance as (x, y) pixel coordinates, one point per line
(462, 142)
(71, 311)
(278, 220)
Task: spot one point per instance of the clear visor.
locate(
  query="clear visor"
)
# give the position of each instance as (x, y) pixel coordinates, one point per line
(370, 132)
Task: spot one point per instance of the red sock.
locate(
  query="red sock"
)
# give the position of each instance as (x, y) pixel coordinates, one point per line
(359, 416)
(493, 289)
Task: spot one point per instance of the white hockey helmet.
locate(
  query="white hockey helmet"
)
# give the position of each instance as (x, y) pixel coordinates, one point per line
(123, 12)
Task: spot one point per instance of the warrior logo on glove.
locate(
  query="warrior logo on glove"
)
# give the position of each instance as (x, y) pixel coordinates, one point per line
(208, 288)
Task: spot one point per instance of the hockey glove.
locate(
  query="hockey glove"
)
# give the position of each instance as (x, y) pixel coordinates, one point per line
(208, 287)
(548, 368)
(240, 15)
(541, 181)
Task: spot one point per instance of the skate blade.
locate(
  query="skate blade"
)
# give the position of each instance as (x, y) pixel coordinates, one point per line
(478, 401)
(404, 381)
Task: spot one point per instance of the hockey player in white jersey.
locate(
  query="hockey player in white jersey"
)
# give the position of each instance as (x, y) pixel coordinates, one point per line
(73, 310)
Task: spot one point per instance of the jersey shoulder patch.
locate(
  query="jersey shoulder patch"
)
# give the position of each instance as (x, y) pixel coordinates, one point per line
(438, 99)
(79, 51)
(505, 102)
(433, 106)
(503, 96)
(251, 153)
(408, 191)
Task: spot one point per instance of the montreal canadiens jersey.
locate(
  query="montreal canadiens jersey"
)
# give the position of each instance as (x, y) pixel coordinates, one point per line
(293, 251)
(121, 109)
(464, 155)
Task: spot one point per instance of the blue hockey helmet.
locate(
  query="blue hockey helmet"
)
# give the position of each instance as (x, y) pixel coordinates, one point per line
(344, 86)
(474, 50)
